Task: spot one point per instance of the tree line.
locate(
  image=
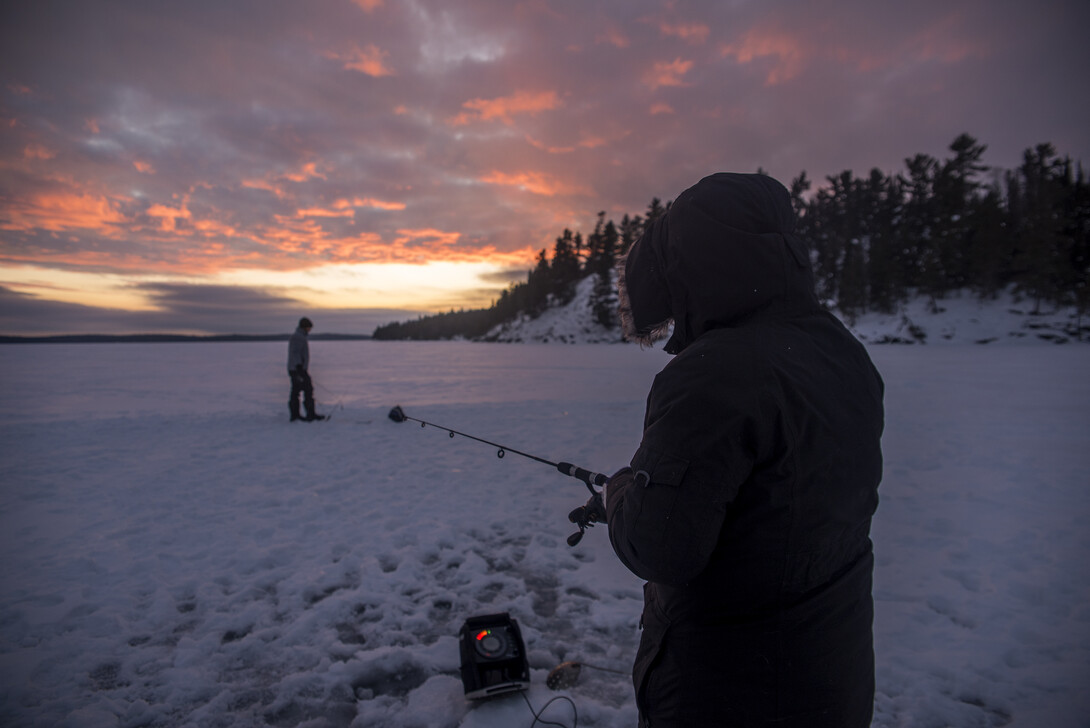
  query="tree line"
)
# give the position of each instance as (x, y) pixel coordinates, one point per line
(937, 227)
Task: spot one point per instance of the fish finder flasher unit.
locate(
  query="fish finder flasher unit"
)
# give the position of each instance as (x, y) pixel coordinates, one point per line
(493, 656)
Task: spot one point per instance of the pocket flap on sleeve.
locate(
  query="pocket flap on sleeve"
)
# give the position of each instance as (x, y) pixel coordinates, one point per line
(661, 468)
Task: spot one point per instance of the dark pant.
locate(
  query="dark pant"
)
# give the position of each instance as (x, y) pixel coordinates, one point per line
(300, 383)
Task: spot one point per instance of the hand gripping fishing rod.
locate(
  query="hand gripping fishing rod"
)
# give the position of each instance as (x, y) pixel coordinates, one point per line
(590, 479)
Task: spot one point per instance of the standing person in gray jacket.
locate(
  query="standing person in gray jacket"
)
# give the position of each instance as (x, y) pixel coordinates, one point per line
(298, 361)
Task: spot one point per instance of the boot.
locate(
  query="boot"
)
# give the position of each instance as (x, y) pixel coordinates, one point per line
(308, 404)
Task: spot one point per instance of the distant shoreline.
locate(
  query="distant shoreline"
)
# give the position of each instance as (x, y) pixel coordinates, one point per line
(168, 338)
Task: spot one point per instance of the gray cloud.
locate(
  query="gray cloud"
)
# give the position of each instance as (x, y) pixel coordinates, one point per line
(186, 309)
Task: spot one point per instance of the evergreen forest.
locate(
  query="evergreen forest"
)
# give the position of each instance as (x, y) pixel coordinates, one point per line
(939, 226)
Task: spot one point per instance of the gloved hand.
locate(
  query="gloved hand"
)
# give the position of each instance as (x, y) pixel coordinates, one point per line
(594, 511)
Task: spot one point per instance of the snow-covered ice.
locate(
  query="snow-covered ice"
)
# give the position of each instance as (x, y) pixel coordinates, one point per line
(175, 553)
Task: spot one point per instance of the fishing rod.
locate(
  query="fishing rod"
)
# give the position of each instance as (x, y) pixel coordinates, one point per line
(589, 478)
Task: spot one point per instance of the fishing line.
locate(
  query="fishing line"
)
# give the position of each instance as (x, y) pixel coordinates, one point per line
(337, 404)
(589, 478)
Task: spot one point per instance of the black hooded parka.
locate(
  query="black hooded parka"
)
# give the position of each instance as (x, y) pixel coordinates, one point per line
(747, 506)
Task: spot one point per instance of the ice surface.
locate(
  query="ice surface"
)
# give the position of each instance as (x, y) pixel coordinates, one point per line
(176, 553)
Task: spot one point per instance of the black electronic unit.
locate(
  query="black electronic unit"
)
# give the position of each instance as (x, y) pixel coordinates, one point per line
(493, 656)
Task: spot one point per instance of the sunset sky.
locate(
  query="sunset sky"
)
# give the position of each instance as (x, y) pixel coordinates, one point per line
(226, 166)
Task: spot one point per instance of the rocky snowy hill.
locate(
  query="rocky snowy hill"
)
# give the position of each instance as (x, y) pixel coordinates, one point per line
(958, 319)
(573, 323)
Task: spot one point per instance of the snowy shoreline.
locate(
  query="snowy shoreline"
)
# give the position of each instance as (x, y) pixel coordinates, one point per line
(959, 318)
(175, 553)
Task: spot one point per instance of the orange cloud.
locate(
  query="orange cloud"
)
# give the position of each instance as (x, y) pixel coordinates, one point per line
(521, 102)
(426, 236)
(260, 184)
(170, 238)
(538, 144)
(309, 171)
(613, 36)
(321, 212)
(661, 108)
(941, 42)
(370, 60)
(169, 216)
(534, 182)
(368, 5)
(587, 141)
(37, 151)
(61, 211)
(369, 202)
(786, 53)
(667, 73)
(143, 167)
(346, 208)
(695, 33)
(214, 228)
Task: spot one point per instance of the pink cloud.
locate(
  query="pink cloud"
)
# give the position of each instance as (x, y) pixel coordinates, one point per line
(38, 151)
(667, 73)
(370, 60)
(613, 36)
(695, 33)
(784, 52)
(504, 107)
(66, 210)
(537, 183)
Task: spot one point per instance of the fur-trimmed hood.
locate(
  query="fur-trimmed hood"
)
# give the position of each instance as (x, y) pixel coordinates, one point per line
(723, 254)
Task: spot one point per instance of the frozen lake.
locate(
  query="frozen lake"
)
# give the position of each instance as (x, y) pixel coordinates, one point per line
(175, 553)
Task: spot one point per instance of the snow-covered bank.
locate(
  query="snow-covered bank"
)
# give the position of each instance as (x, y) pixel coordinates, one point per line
(960, 318)
(965, 319)
(175, 553)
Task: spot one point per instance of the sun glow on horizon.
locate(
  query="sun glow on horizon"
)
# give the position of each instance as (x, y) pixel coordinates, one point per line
(99, 290)
(427, 287)
(431, 286)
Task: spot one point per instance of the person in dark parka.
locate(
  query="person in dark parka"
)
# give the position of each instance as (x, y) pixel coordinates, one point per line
(298, 364)
(747, 506)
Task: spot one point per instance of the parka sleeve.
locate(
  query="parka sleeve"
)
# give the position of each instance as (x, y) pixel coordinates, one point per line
(665, 513)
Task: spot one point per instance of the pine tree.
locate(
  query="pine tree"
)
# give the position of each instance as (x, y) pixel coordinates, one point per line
(799, 187)
(654, 211)
(600, 264)
(921, 267)
(886, 200)
(565, 266)
(955, 195)
(990, 251)
(1078, 226)
(1041, 241)
(631, 230)
(539, 284)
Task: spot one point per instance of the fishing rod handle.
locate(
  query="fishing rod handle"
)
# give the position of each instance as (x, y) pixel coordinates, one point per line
(580, 474)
